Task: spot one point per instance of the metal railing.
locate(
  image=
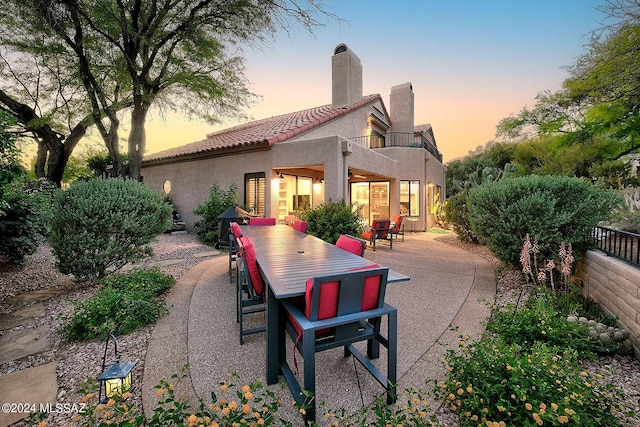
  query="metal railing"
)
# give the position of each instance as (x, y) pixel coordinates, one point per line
(616, 243)
(398, 139)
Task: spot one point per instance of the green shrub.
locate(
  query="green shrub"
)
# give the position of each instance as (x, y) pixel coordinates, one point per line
(495, 382)
(331, 219)
(102, 224)
(219, 200)
(552, 209)
(151, 279)
(126, 302)
(456, 213)
(25, 213)
(539, 321)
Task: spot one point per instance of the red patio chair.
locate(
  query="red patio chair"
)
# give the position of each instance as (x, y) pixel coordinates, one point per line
(262, 221)
(340, 310)
(397, 227)
(379, 231)
(234, 234)
(250, 288)
(300, 226)
(352, 244)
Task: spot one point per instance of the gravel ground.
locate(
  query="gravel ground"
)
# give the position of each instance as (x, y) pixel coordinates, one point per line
(78, 361)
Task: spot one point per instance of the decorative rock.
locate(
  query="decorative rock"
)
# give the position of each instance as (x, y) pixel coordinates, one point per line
(604, 339)
(583, 320)
(572, 319)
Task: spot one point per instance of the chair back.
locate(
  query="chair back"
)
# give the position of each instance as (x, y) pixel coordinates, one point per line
(396, 222)
(300, 226)
(262, 221)
(345, 293)
(247, 258)
(352, 244)
(380, 228)
(234, 229)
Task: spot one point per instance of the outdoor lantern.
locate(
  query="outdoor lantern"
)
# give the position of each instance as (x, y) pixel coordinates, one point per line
(116, 380)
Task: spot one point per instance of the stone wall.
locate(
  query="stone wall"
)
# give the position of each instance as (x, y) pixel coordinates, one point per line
(615, 285)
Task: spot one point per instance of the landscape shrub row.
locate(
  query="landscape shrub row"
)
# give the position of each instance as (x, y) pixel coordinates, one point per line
(551, 209)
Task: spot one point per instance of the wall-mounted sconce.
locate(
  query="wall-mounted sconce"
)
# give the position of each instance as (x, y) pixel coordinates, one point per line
(280, 175)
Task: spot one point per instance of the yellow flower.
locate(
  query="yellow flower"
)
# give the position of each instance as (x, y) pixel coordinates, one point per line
(554, 406)
(111, 402)
(528, 406)
(509, 367)
(469, 389)
(584, 374)
(248, 395)
(233, 405)
(451, 396)
(460, 391)
(303, 411)
(537, 419)
(474, 417)
(223, 386)
(261, 422)
(501, 408)
(192, 420)
(563, 419)
(569, 411)
(246, 409)
(86, 398)
(160, 392)
(246, 388)
(126, 395)
(225, 411)
(543, 406)
(43, 424)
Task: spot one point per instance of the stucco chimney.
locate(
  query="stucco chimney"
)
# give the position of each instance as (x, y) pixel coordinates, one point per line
(346, 76)
(401, 108)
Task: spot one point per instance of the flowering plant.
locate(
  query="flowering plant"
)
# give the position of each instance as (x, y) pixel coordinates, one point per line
(539, 272)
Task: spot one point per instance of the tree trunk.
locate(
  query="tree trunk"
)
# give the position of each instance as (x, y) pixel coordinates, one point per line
(137, 140)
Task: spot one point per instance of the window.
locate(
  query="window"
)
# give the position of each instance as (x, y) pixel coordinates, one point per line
(371, 200)
(410, 198)
(254, 192)
(294, 194)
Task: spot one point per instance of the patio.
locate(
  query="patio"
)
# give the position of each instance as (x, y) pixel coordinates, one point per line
(448, 288)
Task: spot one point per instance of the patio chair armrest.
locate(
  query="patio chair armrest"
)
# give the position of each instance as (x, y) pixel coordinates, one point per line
(332, 322)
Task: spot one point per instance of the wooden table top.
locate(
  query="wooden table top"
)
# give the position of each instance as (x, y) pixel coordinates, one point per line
(287, 258)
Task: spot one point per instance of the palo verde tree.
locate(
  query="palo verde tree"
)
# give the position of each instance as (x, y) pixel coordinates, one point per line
(176, 54)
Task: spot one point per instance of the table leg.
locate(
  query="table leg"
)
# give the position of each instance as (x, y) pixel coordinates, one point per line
(272, 335)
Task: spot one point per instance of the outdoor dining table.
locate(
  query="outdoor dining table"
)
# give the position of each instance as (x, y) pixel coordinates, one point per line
(286, 259)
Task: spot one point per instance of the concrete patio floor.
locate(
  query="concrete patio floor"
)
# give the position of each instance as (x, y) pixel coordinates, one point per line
(448, 296)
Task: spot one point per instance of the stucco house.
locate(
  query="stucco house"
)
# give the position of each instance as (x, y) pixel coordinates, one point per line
(352, 149)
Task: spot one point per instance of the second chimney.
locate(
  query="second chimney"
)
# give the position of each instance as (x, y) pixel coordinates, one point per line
(401, 108)
(346, 76)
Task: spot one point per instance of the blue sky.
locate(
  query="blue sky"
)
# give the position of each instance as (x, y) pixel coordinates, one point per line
(471, 63)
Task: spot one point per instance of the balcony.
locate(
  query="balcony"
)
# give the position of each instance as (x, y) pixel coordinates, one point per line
(398, 139)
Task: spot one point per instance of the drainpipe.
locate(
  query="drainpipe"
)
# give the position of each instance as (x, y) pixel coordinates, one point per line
(347, 149)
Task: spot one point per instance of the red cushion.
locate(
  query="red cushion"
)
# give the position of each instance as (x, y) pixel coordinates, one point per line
(262, 221)
(367, 235)
(249, 254)
(300, 226)
(397, 222)
(235, 229)
(348, 244)
(371, 288)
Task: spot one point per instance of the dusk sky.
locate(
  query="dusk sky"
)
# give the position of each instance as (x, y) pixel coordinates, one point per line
(471, 63)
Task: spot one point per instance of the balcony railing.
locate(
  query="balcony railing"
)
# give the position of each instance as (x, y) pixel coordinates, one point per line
(619, 244)
(398, 139)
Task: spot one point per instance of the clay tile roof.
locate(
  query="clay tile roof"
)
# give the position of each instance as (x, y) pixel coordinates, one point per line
(262, 132)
